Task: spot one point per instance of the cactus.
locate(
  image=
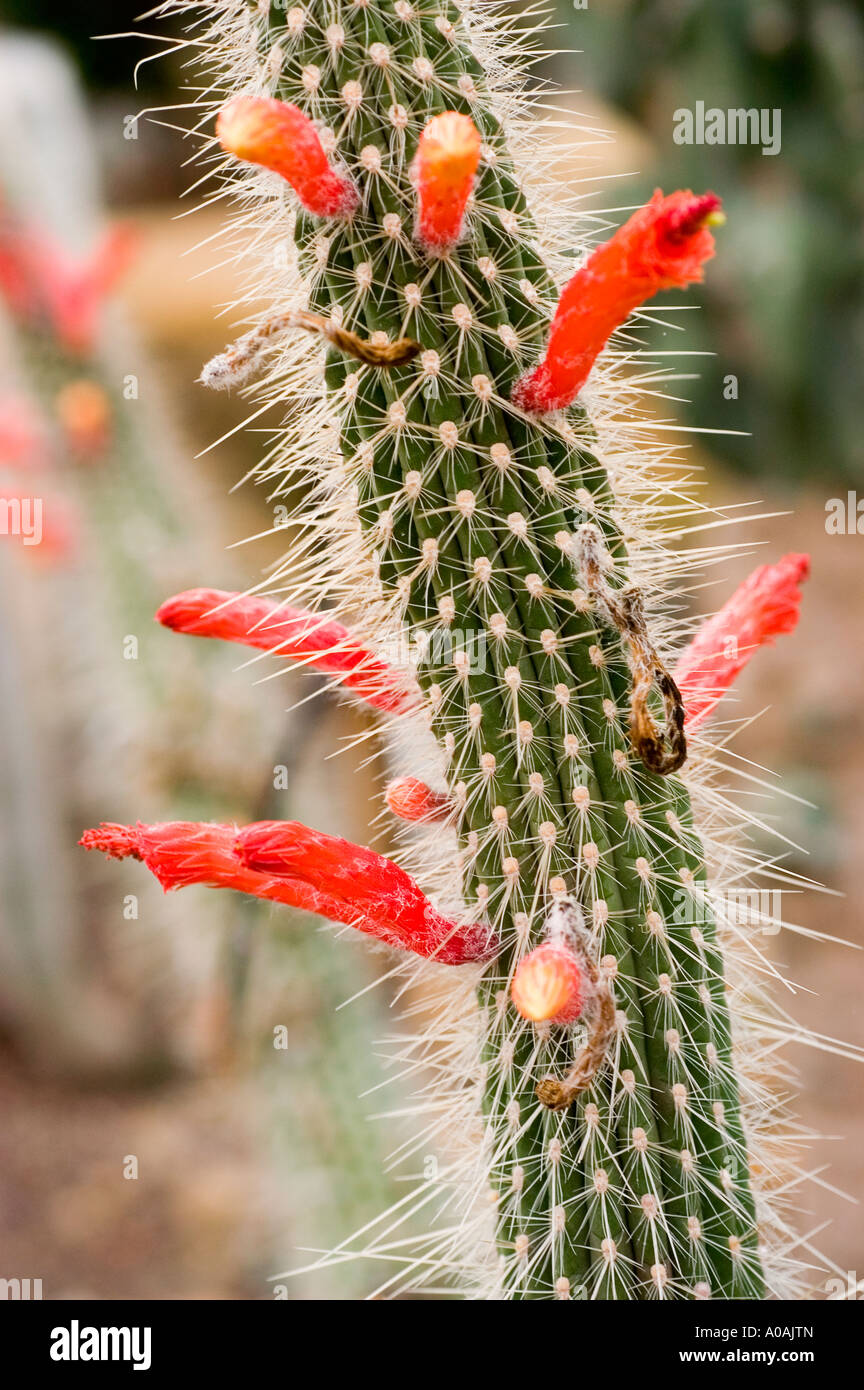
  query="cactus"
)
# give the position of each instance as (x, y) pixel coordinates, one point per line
(502, 530)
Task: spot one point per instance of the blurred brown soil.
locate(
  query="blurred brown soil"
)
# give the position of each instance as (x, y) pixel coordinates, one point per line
(192, 1225)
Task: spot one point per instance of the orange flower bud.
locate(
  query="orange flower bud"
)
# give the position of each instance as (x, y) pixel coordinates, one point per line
(411, 799)
(281, 137)
(547, 985)
(84, 411)
(447, 158)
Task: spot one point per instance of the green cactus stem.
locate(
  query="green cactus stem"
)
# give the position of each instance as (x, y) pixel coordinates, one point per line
(470, 516)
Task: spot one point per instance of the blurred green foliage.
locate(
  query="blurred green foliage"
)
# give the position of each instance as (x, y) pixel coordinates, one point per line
(785, 299)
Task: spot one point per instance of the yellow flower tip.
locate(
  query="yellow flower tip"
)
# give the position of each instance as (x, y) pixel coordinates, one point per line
(447, 158)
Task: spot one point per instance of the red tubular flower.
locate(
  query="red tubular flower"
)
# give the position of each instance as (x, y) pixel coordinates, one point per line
(765, 606)
(663, 246)
(447, 158)
(300, 868)
(365, 889)
(281, 137)
(547, 985)
(305, 637)
(411, 799)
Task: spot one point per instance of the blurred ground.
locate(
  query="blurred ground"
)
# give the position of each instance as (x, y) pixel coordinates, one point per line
(194, 1223)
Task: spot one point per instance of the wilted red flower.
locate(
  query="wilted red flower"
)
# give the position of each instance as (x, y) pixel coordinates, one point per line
(305, 637)
(288, 863)
(444, 169)
(278, 136)
(663, 246)
(411, 799)
(361, 882)
(547, 984)
(765, 606)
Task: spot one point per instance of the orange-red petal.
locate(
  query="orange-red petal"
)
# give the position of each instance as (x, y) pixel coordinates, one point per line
(278, 136)
(444, 171)
(765, 606)
(663, 246)
(308, 638)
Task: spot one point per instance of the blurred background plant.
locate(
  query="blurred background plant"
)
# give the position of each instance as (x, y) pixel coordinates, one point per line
(114, 985)
(170, 1019)
(784, 305)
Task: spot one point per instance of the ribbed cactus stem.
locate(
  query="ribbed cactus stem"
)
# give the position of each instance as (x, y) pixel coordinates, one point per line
(640, 1188)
